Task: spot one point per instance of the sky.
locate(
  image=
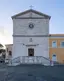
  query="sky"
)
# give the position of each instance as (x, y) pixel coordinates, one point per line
(8, 8)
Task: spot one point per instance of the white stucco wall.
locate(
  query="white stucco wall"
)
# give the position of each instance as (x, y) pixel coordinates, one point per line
(21, 45)
(39, 40)
(21, 27)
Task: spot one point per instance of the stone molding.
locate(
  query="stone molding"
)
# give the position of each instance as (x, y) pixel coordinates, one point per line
(30, 35)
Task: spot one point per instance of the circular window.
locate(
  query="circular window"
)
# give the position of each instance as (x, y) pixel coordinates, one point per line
(31, 25)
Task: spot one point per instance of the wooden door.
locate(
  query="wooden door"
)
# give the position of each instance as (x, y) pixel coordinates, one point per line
(30, 52)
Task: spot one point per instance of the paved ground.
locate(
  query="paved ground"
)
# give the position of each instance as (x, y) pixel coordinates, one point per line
(31, 73)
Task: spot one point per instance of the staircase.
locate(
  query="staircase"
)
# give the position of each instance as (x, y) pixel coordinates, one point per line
(29, 60)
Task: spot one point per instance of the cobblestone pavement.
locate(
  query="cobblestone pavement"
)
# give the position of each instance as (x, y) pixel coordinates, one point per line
(32, 73)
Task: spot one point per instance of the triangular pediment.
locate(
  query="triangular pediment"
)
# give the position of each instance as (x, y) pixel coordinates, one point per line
(31, 13)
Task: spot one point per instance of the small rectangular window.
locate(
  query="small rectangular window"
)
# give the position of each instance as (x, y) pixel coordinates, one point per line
(62, 44)
(10, 53)
(54, 44)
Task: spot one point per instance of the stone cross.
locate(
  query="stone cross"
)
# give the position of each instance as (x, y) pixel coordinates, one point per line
(31, 7)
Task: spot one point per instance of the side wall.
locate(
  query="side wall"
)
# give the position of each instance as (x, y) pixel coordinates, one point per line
(59, 51)
(8, 48)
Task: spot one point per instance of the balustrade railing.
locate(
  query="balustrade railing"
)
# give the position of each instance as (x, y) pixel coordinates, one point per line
(30, 60)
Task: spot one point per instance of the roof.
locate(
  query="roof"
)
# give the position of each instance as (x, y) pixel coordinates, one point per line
(8, 44)
(31, 10)
(56, 35)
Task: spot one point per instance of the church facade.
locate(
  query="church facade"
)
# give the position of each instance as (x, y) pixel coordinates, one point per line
(30, 34)
(31, 38)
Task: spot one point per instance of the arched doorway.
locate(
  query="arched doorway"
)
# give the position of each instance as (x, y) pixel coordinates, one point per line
(30, 52)
(54, 57)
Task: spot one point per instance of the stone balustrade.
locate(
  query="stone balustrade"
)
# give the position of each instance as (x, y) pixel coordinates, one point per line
(30, 60)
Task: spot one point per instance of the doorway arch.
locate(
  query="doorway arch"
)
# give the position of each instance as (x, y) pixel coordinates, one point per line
(54, 57)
